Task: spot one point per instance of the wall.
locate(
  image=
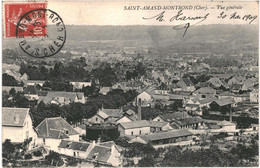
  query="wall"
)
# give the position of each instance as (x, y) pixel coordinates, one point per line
(124, 119)
(144, 130)
(28, 127)
(74, 137)
(115, 159)
(93, 119)
(52, 144)
(15, 134)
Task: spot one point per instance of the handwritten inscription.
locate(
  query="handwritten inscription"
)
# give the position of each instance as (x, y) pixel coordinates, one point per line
(189, 21)
(180, 17)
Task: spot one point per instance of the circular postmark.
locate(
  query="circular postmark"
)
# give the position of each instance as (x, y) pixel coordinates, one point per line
(41, 32)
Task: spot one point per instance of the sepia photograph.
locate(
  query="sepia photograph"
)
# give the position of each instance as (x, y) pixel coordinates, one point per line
(161, 83)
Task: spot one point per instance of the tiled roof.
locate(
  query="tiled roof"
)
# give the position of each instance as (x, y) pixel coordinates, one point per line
(227, 93)
(60, 96)
(135, 124)
(129, 112)
(236, 86)
(113, 112)
(102, 114)
(168, 117)
(188, 121)
(30, 90)
(187, 81)
(223, 102)
(166, 135)
(205, 90)
(14, 116)
(208, 100)
(99, 153)
(70, 95)
(74, 145)
(35, 81)
(16, 88)
(56, 128)
(225, 123)
(157, 124)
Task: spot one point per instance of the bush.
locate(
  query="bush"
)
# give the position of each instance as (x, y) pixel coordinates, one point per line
(28, 156)
(37, 153)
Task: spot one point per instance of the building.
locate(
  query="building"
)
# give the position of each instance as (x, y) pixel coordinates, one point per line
(52, 130)
(222, 104)
(106, 115)
(186, 84)
(31, 92)
(35, 82)
(169, 117)
(17, 126)
(62, 98)
(145, 97)
(140, 127)
(254, 96)
(80, 85)
(176, 137)
(204, 92)
(106, 153)
(16, 88)
(188, 123)
(105, 90)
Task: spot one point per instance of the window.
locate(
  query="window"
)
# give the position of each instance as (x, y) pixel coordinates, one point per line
(96, 119)
(203, 96)
(74, 153)
(94, 156)
(140, 132)
(27, 134)
(44, 141)
(132, 133)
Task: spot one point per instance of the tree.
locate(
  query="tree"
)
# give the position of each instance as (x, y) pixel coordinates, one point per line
(53, 159)
(9, 80)
(8, 149)
(205, 111)
(147, 161)
(243, 121)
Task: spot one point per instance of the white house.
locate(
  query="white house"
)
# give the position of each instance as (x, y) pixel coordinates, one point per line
(35, 82)
(17, 126)
(144, 96)
(52, 130)
(106, 153)
(140, 127)
(80, 85)
(106, 115)
(254, 96)
(62, 98)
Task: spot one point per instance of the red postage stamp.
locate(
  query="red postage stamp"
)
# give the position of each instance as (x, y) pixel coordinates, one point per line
(13, 13)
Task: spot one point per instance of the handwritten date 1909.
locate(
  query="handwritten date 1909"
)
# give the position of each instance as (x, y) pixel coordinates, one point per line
(180, 17)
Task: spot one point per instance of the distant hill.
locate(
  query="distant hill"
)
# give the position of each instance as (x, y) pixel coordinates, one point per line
(204, 38)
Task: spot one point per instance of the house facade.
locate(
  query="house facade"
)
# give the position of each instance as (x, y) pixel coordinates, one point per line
(17, 126)
(140, 127)
(52, 130)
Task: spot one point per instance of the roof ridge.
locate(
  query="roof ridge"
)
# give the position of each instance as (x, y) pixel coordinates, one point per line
(47, 127)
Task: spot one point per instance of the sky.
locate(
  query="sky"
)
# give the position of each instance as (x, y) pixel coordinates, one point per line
(113, 13)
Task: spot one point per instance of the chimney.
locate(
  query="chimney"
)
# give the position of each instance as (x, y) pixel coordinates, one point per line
(102, 108)
(230, 115)
(98, 141)
(16, 118)
(112, 149)
(139, 109)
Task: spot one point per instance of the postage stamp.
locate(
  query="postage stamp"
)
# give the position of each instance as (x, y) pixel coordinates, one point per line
(14, 11)
(31, 29)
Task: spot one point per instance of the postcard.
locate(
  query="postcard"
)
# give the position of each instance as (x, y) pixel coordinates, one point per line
(130, 83)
